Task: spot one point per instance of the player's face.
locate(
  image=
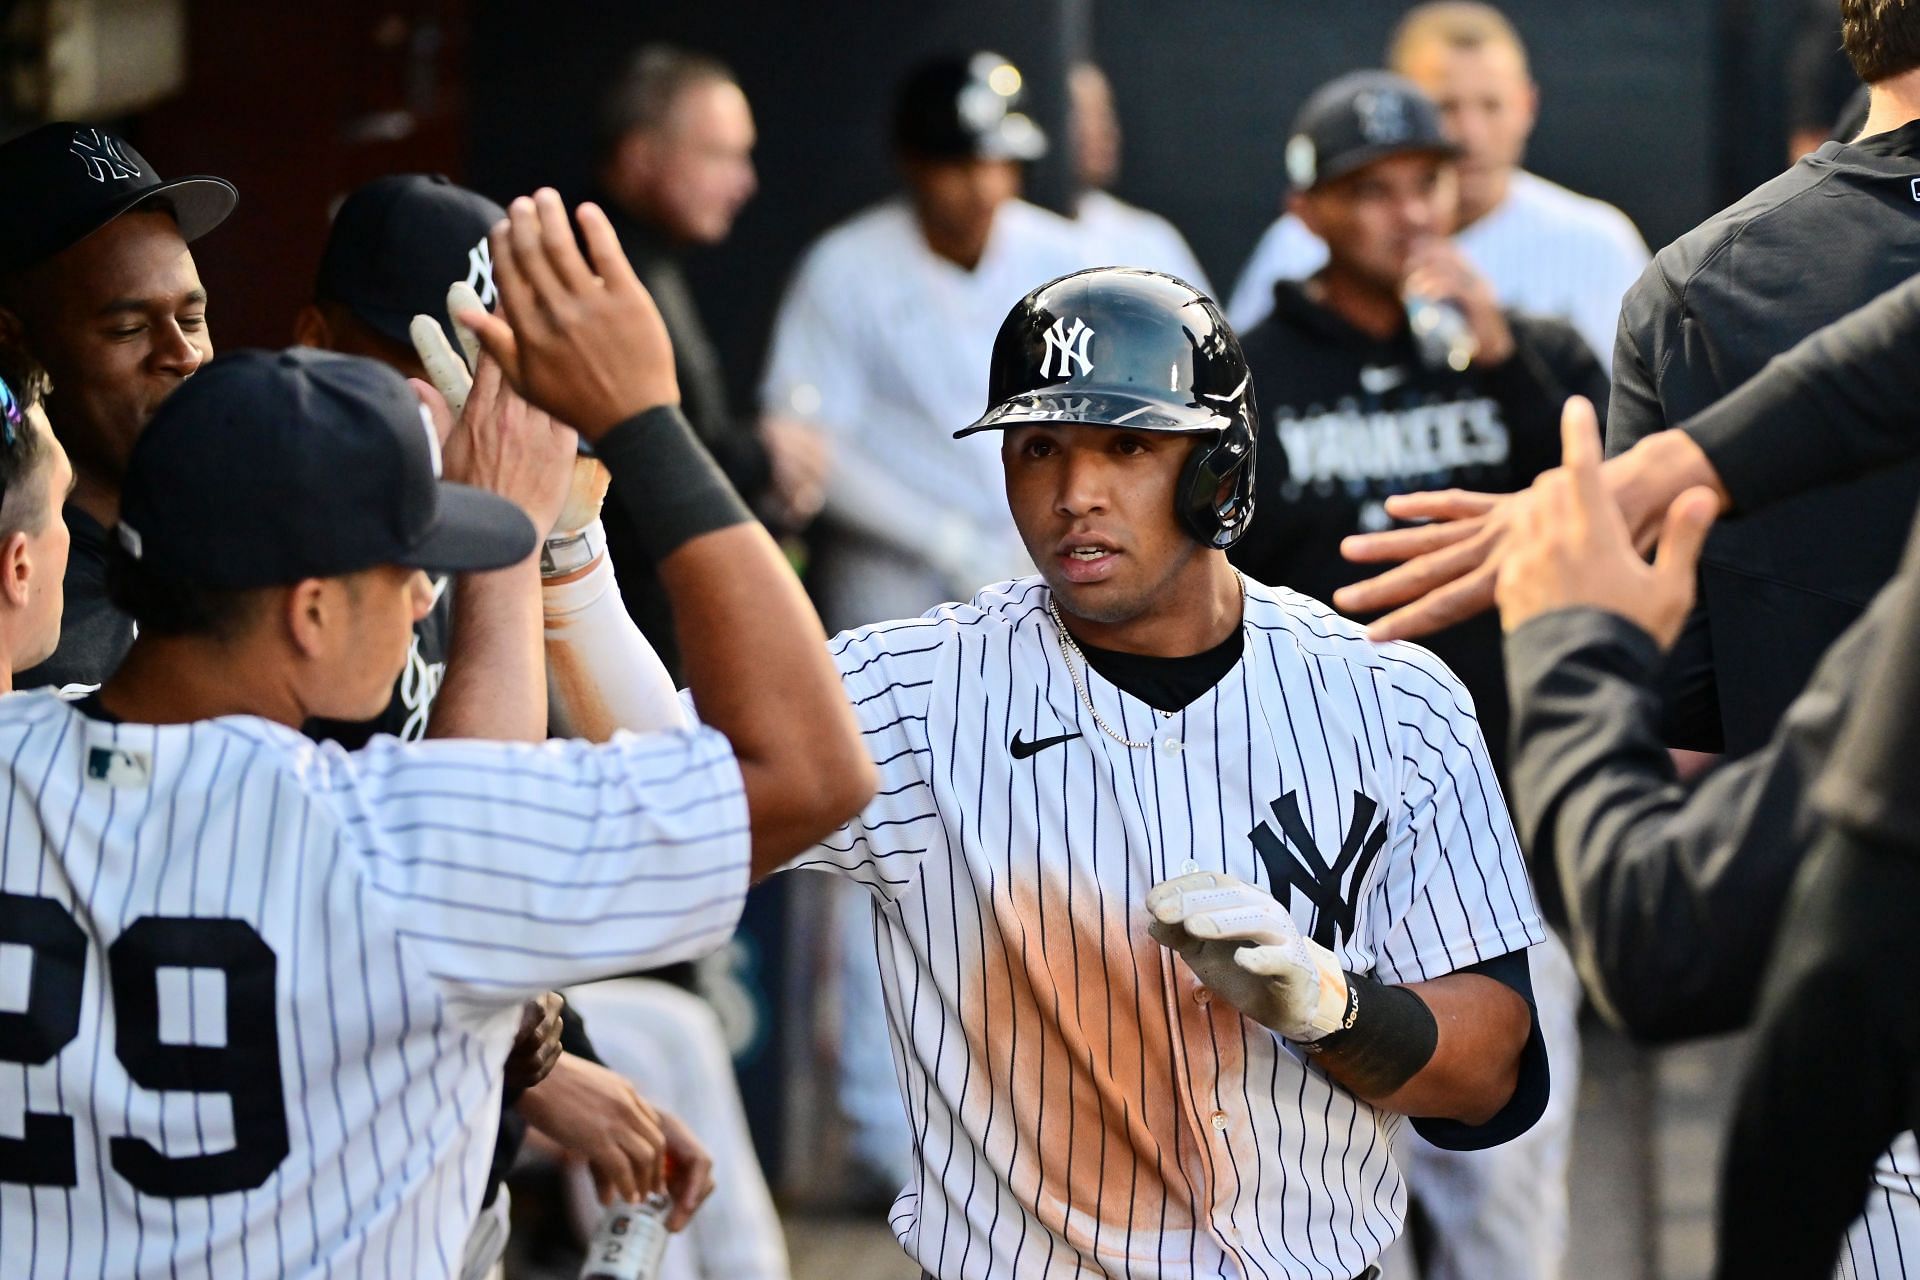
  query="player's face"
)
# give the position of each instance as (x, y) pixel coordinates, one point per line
(385, 603)
(956, 199)
(1095, 508)
(46, 549)
(699, 163)
(119, 320)
(1096, 129)
(1487, 105)
(1373, 219)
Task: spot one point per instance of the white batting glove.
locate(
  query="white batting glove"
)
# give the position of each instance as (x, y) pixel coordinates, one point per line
(1242, 943)
(576, 539)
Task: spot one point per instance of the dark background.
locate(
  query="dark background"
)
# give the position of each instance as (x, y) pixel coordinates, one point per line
(1668, 108)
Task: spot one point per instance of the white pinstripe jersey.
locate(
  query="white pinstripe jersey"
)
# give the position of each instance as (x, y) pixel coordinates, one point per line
(1080, 1105)
(1884, 1241)
(256, 993)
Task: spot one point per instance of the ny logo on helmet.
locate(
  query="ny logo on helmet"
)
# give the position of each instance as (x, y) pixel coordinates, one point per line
(1071, 346)
(101, 151)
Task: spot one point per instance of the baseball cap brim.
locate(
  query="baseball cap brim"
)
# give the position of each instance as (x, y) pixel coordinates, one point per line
(1360, 157)
(477, 531)
(1097, 409)
(200, 203)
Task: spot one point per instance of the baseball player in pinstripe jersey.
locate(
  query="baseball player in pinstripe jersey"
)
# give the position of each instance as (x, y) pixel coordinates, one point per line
(268, 984)
(1185, 893)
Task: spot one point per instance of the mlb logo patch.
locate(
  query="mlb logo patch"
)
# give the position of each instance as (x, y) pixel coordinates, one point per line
(1915, 188)
(117, 768)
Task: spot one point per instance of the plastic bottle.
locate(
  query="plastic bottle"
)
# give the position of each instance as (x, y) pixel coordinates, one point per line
(1441, 332)
(629, 1242)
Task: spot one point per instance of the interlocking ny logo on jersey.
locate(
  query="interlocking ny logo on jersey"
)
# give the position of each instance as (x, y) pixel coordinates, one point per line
(1071, 346)
(102, 154)
(1332, 887)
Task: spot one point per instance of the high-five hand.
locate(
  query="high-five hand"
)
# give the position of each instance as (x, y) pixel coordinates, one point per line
(1571, 547)
(581, 340)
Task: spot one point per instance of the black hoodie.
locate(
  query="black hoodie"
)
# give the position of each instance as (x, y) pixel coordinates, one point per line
(1348, 419)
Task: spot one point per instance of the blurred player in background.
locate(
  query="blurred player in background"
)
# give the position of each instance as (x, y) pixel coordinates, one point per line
(1119, 234)
(1545, 249)
(676, 169)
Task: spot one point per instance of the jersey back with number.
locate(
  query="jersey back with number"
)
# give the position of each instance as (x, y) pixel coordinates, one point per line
(255, 994)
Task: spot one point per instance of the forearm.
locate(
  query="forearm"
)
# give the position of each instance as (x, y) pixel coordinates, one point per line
(602, 675)
(1479, 1028)
(1835, 406)
(1669, 899)
(756, 657)
(495, 685)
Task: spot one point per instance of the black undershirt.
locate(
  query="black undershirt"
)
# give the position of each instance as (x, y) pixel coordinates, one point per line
(1166, 684)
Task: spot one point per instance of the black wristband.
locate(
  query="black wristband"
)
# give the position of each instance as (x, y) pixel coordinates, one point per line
(1386, 1037)
(666, 483)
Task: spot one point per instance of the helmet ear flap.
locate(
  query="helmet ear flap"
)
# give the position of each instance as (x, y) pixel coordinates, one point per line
(1217, 467)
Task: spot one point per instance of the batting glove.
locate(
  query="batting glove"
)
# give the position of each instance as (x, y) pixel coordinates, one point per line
(577, 538)
(1243, 944)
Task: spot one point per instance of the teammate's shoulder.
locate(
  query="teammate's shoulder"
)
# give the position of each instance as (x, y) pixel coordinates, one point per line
(1572, 211)
(1683, 264)
(999, 608)
(26, 707)
(854, 240)
(1316, 631)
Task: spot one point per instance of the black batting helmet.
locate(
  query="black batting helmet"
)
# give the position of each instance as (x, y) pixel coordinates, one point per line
(965, 107)
(1122, 347)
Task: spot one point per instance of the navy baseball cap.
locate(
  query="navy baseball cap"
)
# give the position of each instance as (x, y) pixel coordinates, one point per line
(270, 467)
(398, 242)
(1357, 119)
(65, 181)
(959, 108)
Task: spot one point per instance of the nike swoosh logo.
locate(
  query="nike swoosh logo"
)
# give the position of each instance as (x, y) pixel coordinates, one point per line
(1021, 750)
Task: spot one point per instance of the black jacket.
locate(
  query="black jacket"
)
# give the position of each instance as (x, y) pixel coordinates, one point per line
(733, 442)
(1348, 419)
(1836, 230)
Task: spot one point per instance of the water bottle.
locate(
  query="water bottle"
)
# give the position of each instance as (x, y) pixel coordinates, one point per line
(629, 1242)
(1441, 333)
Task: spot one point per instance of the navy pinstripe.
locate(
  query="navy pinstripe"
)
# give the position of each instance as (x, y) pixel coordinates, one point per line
(1124, 1126)
(396, 890)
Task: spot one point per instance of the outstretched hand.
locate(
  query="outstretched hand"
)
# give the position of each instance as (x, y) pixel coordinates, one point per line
(1571, 547)
(1445, 569)
(582, 340)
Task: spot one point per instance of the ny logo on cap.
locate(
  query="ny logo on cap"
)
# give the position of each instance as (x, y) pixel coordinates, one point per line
(480, 272)
(1070, 345)
(103, 156)
(1385, 117)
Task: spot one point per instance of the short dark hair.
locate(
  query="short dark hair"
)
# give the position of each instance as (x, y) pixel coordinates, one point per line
(24, 450)
(1881, 37)
(653, 80)
(169, 606)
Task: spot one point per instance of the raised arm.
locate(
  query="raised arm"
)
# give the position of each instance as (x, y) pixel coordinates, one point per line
(586, 343)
